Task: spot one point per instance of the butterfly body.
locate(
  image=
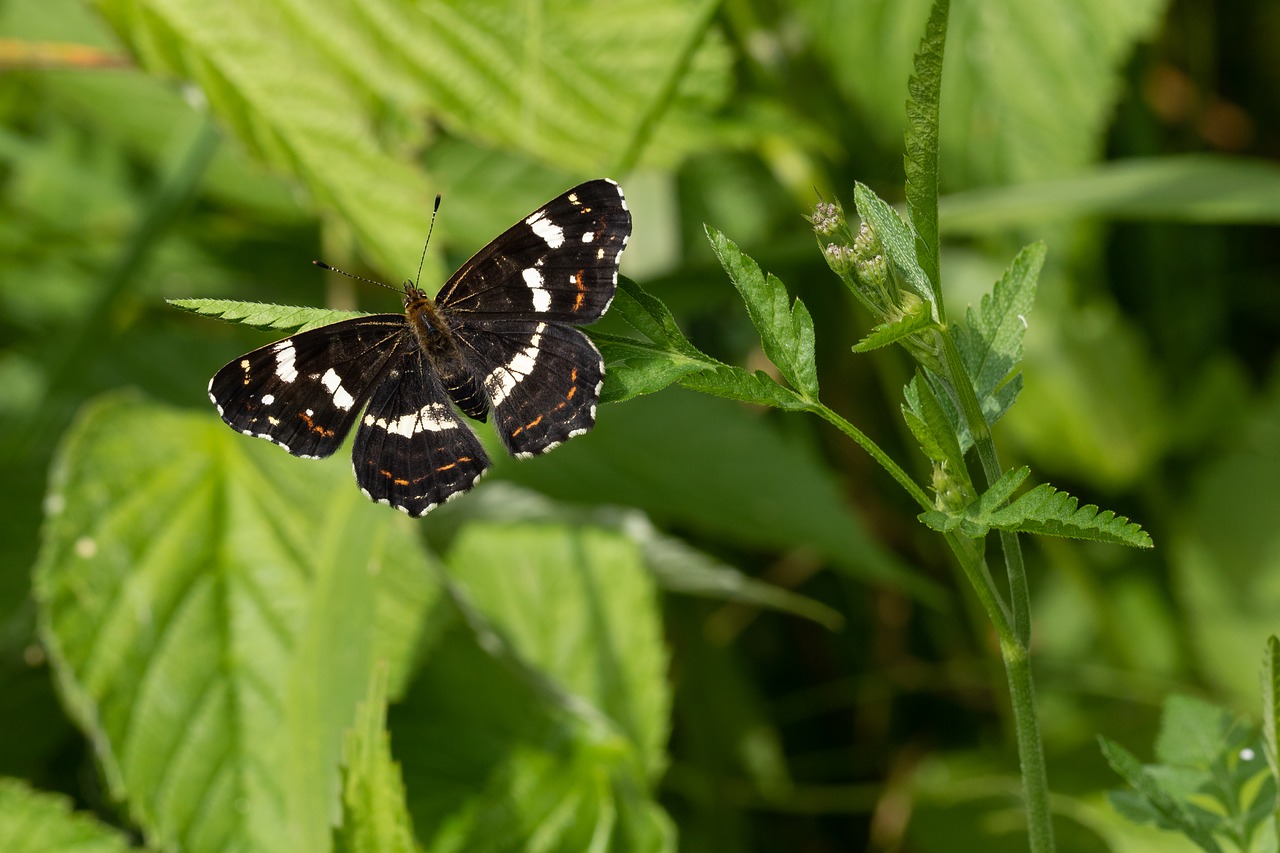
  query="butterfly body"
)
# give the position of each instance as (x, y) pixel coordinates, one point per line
(500, 337)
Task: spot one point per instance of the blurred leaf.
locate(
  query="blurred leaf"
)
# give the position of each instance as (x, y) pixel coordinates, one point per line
(1211, 782)
(545, 699)
(211, 607)
(520, 78)
(262, 315)
(921, 160)
(675, 565)
(1187, 188)
(374, 816)
(786, 330)
(1226, 551)
(709, 466)
(1271, 703)
(39, 823)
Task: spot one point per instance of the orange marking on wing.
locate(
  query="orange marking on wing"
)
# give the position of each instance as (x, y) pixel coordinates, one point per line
(582, 291)
(446, 467)
(572, 391)
(393, 478)
(315, 427)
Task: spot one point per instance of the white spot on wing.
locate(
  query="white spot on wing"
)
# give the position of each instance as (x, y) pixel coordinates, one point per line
(433, 417)
(268, 399)
(502, 380)
(588, 236)
(285, 355)
(541, 296)
(552, 234)
(333, 384)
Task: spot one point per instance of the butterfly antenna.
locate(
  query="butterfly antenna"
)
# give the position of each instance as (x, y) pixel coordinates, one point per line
(325, 266)
(430, 228)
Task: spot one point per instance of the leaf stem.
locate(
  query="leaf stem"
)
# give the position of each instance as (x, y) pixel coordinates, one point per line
(873, 450)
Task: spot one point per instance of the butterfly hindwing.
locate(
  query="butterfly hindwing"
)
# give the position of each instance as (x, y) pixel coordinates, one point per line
(559, 263)
(304, 392)
(412, 449)
(543, 380)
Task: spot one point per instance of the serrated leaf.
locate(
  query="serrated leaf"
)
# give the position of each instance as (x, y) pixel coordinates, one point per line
(1043, 510)
(898, 241)
(264, 315)
(921, 158)
(1047, 511)
(786, 330)
(990, 340)
(736, 383)
(36, 822)
(1164, 807)
(374, 815)
(888, 333)
(211, 608)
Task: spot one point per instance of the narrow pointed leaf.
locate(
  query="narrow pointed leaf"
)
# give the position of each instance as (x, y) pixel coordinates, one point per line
(929, 411)
(264, 315)
(736, 383)
(888, 333)
(1271, 703)
(921, 159)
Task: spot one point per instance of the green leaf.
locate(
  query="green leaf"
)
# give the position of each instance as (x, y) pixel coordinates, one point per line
(921, 159)
(933, 425)
(374, 815)
(990, 340)
(548, 81)
(547, 695)
(1165, 810)
(1043, 510)
(1201, 188)
(263, 315)
(212, 609)
(635, 367)
(676, 566)
(888, 333)
(786, 331)
(36, 822)
(1049, 512)
(899, 243)
(1271, 704)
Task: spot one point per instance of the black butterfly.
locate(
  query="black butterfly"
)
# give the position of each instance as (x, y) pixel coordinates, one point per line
(499, 335)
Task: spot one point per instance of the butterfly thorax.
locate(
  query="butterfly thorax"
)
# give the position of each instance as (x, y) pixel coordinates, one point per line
(439, 345)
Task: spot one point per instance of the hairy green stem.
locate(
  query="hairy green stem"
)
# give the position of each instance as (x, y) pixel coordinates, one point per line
(1016, 654)
(873, 450)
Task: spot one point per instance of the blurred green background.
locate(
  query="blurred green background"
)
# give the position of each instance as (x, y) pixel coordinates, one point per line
(213, 149)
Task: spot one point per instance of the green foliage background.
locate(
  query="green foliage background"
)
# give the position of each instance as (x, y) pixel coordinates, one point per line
(703, 624)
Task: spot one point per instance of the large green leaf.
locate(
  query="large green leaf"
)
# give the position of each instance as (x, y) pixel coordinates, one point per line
(547, 696)
(212, 608)
(334, 92)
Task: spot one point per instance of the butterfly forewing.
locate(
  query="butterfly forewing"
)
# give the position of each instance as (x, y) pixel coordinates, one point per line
(412, 450)
(304, 392)
(559, 263)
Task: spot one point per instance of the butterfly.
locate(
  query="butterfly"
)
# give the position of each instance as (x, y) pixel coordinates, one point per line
(499, 337)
